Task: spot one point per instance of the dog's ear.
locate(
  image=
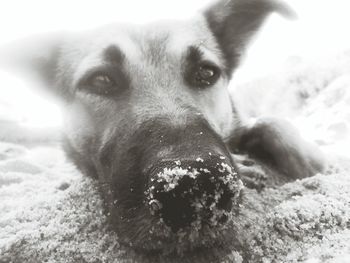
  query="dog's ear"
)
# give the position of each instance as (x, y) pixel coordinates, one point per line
(34, 57)
(235, 22)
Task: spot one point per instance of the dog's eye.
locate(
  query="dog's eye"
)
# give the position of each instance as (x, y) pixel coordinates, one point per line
(203, 75)
(108, 81)
(101, 83)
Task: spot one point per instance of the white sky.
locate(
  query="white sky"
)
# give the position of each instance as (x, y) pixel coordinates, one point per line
(322, 28)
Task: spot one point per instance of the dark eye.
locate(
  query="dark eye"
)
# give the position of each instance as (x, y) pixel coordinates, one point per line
(203, 75)
(101, 83)
(109, 81)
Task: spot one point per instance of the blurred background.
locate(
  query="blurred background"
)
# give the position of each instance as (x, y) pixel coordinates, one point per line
(321, 31)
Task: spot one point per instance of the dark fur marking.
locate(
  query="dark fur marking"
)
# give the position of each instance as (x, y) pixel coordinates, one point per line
(114, 55)
(194, 55)
(192, 58)
(134, 156)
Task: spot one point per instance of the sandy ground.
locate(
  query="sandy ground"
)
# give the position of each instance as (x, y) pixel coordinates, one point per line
(49, 212)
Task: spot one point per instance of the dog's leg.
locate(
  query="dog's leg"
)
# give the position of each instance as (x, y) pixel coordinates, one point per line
(278, 144)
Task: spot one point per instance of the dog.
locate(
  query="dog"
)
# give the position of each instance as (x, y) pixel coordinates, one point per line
(148, 114)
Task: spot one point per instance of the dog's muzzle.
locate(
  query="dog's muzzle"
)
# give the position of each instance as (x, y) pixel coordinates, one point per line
(193, 194)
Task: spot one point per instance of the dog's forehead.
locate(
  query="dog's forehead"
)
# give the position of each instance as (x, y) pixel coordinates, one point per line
(150, 43)
(171, 37)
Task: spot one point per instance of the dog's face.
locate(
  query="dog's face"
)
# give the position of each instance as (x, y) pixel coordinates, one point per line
(147, 112)
(146, 99)
(172, 70)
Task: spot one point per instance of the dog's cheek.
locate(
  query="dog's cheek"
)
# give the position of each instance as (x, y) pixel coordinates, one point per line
(218, 110)
(79, 127)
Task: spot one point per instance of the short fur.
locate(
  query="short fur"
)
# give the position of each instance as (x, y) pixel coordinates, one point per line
(155, 113)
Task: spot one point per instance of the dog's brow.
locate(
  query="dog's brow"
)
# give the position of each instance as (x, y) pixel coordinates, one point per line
(113, 55)
(194, 55)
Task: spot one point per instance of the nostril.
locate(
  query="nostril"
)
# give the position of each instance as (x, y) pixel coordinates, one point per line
(193, 194)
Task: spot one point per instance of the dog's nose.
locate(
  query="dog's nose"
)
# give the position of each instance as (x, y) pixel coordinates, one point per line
(193, 193)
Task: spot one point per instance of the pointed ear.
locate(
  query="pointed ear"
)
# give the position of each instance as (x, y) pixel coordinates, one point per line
(35, 57)
(235, 22)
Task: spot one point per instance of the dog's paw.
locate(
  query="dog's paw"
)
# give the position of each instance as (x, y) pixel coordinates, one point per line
(252, 175)
(277, 142)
